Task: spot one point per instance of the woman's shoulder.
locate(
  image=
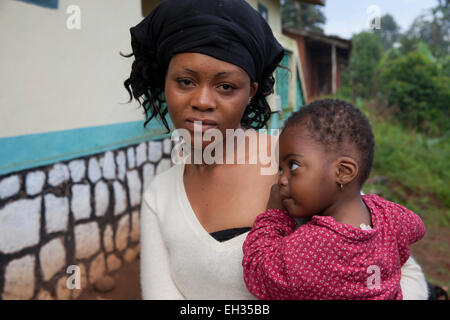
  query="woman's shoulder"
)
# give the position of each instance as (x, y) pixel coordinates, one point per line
(163, 183)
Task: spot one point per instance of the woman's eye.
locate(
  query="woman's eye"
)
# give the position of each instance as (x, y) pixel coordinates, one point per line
(280, 171)
(293, 166)
(226, 87)
(185, 82)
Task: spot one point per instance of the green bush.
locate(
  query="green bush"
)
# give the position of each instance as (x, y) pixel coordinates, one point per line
(419, 88)
(366, 53)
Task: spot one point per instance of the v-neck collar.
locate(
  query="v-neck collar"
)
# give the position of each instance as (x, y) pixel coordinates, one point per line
(193, 221)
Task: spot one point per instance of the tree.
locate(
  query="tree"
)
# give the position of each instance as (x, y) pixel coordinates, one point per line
(433, 27)
(362, 68)
(417, 85)
(288, 13)
(389, 32)
(302, 15)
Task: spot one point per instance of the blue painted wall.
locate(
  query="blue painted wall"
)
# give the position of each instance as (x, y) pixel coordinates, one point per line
(52, 4)
(34, 150)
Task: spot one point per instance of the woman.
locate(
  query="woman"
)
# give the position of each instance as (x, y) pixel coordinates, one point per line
(210, 61)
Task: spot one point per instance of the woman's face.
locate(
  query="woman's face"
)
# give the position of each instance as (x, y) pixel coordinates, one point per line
(201, 88)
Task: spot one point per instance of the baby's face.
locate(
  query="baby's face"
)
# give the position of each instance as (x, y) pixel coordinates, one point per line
(306, 176)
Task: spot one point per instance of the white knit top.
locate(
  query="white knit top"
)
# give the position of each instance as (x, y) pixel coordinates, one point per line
(181, 260)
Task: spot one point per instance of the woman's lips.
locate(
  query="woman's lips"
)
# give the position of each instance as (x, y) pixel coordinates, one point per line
(199, 125)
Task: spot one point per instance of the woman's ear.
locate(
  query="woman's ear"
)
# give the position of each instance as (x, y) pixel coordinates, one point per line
(253, 88)
(346, 170)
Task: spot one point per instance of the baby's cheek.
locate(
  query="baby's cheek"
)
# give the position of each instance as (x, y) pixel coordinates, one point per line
(294, 209)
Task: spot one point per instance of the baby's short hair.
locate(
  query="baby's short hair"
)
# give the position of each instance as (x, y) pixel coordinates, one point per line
(336, 124)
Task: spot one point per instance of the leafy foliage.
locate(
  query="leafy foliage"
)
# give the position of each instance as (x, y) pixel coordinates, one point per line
(408, 71)
(366, 53)
(433, 27)
(389, 32)
(421, 91)
(302, 16)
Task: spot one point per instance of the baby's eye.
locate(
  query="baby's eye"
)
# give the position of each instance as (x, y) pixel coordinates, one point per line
(293, 165)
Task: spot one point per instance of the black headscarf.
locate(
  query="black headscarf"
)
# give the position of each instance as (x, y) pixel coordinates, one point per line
(228, 30)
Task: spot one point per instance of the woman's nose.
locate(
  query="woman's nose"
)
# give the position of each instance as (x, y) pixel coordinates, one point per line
(203, 99)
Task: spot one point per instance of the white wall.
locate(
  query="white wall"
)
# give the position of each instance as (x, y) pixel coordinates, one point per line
(53, 78)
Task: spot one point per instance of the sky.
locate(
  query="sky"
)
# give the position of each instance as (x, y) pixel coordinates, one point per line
(346, 17)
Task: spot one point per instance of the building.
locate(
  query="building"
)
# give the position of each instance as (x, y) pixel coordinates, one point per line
(322, 58)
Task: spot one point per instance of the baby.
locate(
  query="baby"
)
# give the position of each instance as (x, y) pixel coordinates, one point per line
(353, 246)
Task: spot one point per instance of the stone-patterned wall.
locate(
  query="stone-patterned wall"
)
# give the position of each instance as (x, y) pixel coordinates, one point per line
(83, 212)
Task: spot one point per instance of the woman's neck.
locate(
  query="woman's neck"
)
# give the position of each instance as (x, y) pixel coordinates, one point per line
(241, 152)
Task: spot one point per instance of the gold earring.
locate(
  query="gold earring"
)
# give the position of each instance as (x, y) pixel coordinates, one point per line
(250, 99)
(341, 186)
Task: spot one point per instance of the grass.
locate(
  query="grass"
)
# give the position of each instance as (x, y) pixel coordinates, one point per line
(415, 170)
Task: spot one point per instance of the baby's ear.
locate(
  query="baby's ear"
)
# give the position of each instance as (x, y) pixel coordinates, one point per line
(346, 170)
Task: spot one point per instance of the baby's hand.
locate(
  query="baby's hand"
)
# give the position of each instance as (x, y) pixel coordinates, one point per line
(275, 200)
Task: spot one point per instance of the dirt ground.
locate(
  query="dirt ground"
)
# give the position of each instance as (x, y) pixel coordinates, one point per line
(432, 253)
(127, 285)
